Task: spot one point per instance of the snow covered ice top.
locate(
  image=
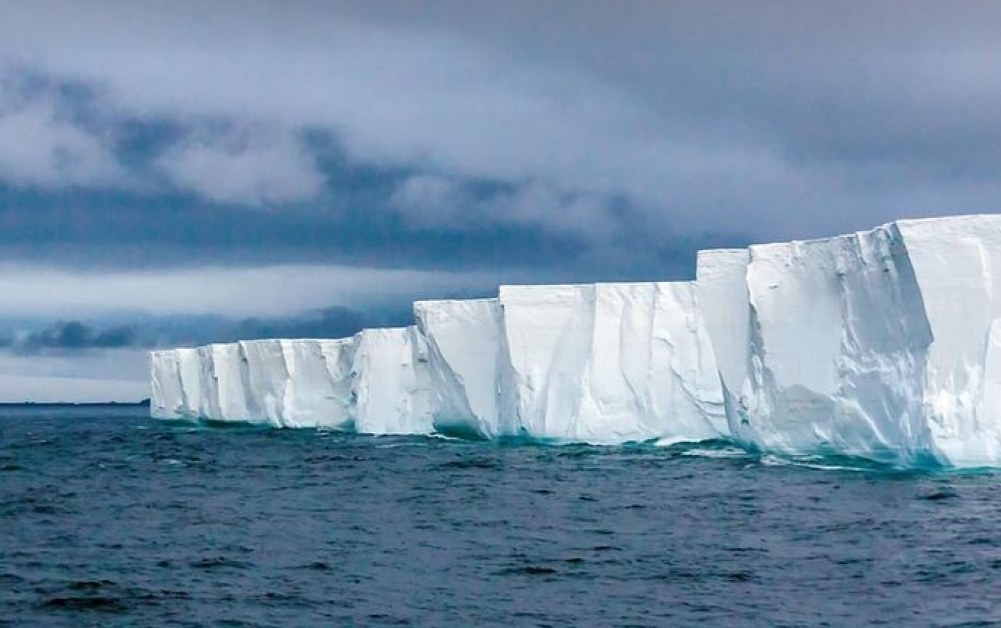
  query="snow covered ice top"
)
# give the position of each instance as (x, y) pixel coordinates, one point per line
(883, 344)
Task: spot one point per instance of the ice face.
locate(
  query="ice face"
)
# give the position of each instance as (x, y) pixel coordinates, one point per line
(167, 401)
(883, 343)
(266, 376)
(838, 347)
(463, 345)
(547, 336)
(609, 363)
(223, 375)
(821, 344)
(318, 392)
(956, 261)
(391, 382)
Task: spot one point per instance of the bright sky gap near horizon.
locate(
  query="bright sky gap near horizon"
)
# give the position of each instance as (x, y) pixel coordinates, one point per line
(176, 173)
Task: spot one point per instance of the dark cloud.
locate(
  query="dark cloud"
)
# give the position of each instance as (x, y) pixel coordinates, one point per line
(72, 336)
(145, 332)
(574, 140)
(331, 322)
(62, 228)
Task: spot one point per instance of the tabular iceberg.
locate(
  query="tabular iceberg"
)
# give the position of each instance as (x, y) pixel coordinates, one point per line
(390, 394)
(835, 349)
(609, 363)
(884, 344)
(605, 363)
(880, 344)
(464, 353)
(288, 383)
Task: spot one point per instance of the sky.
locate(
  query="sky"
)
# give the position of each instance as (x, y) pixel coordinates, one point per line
(174, 173)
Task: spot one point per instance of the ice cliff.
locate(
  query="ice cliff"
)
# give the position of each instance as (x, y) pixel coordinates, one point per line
(604, 363)
(884, 344)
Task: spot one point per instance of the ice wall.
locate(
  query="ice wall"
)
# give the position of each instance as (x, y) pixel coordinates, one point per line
(957, 261)
(391, 382)
(298, 383)
(838, 347)
(319, 391)
(884, 344)
(287, 383)
(604, 363)
(224, 383)
(265, 379)
(608, 363)
(167, 400)
(463, 345)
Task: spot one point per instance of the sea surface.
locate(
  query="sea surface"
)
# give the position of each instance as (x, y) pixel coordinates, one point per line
(109, 518)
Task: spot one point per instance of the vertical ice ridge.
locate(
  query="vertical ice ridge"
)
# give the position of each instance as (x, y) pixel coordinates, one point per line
(249, 399)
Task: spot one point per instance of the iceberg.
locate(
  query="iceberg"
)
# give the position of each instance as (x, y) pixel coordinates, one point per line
(601, 363)
(884, 344)
(957, 262)
(464, 352)
(609, 363)
(390, 393)
(834, 350)
(879, 344)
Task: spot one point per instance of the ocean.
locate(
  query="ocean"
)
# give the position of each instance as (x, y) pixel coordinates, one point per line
(109, 518)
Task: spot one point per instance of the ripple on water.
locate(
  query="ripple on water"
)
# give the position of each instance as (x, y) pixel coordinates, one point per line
(119, 520)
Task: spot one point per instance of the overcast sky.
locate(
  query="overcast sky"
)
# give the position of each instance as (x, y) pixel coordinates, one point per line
(180, 172)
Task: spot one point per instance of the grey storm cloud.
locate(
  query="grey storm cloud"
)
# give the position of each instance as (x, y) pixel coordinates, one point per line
(616, 135)
(329, 322)
(72, 336)
(145, 332)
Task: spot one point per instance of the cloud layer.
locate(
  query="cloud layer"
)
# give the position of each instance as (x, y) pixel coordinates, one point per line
(772, 120)
(248, 160)
(72, 336)
(247, 291)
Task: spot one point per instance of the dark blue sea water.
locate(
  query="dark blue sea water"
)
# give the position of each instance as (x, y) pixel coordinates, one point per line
(109, 518)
